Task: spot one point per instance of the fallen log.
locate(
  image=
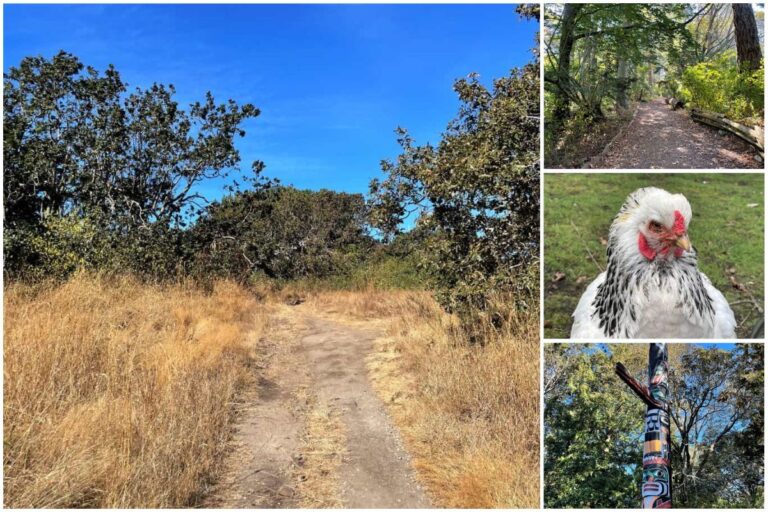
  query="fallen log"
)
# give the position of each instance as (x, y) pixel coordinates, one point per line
(751, 134)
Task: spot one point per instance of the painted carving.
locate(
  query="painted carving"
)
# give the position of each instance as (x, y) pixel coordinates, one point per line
(656, 487)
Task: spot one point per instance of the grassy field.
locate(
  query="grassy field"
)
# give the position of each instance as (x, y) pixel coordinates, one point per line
(123, 394)
(468, 412)
(120, 394)
(726, 229)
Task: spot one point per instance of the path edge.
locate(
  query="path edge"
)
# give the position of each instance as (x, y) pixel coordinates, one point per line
(621, 131)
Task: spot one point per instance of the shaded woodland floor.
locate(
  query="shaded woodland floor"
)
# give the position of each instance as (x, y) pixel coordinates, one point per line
(660, 138)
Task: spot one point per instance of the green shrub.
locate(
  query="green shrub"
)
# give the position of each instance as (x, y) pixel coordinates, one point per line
(65, 245)
(718, 86)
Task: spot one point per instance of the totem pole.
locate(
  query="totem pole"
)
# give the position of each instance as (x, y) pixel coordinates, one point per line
(657, 473)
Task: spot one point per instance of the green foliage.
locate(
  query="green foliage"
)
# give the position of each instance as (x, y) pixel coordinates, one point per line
(282, 233)
(476, 193)
(600, 53)
(592, 432)
(593, 426)
(727, 231)
(78, 146)
(717, 85)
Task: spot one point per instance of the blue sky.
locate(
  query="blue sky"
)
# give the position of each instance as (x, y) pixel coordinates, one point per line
(332, 82)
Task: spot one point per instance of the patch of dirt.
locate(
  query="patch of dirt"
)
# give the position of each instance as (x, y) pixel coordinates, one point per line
(326, 359)
(376, 471)
(662, 138)
(259, 469)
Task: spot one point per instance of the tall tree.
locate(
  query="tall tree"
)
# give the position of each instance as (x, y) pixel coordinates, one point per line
(747, 41)
(78, 146)
(591, 431)
(563, 92)
(476, 192)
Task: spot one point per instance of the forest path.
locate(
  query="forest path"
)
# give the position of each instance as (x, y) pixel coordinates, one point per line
(660, 138)
(316, 368)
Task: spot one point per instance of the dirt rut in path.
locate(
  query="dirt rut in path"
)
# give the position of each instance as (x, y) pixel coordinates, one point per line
(327, 360)
(376, 471)
(259, 469)
(660, 138)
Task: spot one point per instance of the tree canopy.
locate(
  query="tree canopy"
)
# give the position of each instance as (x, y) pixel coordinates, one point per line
(82, 154)
(476, 191)
(593, 426)
(600, 58)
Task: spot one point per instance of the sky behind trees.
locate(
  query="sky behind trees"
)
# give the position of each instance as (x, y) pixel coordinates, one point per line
(332, 82)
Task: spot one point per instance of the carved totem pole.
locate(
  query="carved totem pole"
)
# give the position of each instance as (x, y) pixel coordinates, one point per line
(657, 472)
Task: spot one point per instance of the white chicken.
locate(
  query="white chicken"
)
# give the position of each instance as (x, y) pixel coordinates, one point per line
(652, 287)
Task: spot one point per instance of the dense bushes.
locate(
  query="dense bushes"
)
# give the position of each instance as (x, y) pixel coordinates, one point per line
(476, 194)
(101, 179)
(281, 233)
(717, 85)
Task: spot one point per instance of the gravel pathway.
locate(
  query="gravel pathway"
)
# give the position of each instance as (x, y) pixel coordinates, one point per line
(660, 138)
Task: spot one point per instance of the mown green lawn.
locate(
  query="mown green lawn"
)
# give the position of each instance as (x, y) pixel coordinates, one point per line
(726, 229)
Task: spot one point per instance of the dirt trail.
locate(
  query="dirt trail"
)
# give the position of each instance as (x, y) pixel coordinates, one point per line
(660, 138)
(327, 359)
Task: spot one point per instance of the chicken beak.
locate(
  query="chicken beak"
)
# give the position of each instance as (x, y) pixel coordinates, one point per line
(684, 243)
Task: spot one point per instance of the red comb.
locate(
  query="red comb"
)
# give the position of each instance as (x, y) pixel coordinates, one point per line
(679, 227)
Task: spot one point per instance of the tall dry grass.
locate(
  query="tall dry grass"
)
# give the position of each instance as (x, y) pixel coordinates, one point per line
(119, 394)
(465, 400)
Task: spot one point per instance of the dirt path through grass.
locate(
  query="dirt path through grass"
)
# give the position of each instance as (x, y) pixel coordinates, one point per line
(660, 138)
(315, 433)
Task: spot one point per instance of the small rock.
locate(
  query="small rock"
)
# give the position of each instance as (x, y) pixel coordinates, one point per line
(759, 158)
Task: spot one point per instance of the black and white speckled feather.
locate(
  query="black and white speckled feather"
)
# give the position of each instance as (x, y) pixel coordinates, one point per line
(640, 298)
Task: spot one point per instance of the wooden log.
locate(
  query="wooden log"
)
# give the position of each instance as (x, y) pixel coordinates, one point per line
(755, 132)
(746, 135)
(754, 135)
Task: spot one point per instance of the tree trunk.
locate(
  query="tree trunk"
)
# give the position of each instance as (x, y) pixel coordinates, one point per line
(562, 103)
(747, 41)
(622, 84)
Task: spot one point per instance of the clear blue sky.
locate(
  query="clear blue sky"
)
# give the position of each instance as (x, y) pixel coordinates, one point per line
(332, 82)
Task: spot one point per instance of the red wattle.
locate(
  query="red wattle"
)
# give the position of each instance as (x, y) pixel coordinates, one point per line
(645, 249)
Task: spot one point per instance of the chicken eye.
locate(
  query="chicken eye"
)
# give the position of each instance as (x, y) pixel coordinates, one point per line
(655, 227)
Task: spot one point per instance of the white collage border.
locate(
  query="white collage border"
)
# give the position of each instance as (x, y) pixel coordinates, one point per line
(542, 234)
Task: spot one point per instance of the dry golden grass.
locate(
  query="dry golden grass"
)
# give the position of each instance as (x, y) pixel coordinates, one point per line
(469, 414)
(372, 304)
(119, 394)
(322, 451)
